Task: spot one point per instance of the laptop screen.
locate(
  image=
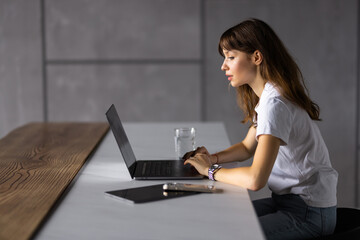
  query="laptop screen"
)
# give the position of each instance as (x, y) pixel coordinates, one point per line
(121, 138)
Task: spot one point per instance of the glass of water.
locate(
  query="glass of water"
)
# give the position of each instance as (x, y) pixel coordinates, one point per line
(184, 141)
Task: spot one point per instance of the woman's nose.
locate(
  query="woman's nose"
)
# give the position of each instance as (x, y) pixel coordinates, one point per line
(224, 67)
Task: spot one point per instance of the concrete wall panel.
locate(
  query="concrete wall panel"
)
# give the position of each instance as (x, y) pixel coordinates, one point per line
(123, 29)
(21, 92)
(146, 92)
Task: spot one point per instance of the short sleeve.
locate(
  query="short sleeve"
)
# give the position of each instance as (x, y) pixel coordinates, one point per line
(274, 118)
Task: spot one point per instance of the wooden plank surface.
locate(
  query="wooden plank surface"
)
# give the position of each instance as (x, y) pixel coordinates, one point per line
(37, 162)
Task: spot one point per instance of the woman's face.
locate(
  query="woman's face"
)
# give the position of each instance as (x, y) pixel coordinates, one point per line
(238, 67)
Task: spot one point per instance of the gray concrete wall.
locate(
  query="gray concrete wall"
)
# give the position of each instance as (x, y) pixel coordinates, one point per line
(157, 60)
(21, 86)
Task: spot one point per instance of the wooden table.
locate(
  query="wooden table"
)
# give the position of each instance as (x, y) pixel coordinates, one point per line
(86, 213)
(37, 163)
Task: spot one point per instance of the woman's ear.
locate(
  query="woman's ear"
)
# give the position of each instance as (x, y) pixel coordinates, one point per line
(257, 57)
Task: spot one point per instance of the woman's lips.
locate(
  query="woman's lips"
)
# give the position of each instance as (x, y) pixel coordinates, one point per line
(229, 77)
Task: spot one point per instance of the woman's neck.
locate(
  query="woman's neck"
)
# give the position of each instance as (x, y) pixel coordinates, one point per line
(258, 85)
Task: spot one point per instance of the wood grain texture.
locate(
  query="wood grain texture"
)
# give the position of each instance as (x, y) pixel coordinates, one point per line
(37, 163)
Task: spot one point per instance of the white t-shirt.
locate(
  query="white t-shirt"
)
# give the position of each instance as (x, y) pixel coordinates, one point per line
(302, 165)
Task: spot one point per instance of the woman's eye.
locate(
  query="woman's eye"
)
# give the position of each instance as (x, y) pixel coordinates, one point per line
(230, 58)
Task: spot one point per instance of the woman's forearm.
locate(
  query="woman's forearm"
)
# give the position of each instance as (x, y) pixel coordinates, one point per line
(256, 176)
(237, 152)
(242, 177)
(240, 151)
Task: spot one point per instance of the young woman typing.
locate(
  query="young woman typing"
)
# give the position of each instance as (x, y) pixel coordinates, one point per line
(289, 153)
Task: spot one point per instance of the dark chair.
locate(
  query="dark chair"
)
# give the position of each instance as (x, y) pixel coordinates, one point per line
(347, 225)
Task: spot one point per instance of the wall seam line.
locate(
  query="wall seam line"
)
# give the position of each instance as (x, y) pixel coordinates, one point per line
(120, 61)
(44, 61)
(203, 89)
(357, 175)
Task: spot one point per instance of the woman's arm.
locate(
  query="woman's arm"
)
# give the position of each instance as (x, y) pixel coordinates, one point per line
(254, 177)
(240, 151)
(237, 152)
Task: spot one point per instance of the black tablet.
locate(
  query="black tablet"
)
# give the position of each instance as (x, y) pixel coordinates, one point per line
(147, 194)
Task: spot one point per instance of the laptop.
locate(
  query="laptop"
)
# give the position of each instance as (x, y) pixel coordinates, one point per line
(147, 169)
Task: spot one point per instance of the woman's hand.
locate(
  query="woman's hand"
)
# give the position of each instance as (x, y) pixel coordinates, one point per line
(202, 150)
(201, 162)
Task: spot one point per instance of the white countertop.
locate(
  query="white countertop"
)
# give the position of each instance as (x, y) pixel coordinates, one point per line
(86, 213)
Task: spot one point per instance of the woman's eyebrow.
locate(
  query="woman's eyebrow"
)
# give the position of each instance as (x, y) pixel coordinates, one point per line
(225, 51)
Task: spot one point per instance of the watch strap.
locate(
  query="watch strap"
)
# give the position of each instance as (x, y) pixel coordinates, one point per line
(212, 170)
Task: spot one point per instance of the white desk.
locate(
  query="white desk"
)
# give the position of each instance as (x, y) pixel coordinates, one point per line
(86, 213)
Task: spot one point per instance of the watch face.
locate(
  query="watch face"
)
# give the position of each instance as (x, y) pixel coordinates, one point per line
(213, 169)
(214, 166)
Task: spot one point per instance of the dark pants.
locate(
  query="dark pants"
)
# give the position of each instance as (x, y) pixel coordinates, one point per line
(288, 217)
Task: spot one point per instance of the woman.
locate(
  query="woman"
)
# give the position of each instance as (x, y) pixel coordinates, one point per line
(289, 153)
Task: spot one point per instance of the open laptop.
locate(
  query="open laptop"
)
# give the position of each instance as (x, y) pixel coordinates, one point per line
(147, 169)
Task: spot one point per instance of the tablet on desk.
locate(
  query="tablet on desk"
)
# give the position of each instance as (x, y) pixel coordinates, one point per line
(146, 194)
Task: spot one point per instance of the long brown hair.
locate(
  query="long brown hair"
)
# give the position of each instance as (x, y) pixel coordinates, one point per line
(277, 67)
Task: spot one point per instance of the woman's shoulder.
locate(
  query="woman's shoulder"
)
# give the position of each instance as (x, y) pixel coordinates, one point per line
(272, 103)
(271, 96)
(270, 90)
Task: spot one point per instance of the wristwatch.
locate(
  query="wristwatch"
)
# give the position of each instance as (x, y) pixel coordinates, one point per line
(212, 170)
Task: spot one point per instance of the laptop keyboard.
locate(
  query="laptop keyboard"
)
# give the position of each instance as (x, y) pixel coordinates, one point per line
(157, 168)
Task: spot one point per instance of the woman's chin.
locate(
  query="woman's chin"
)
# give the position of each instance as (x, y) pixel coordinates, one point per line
(234, 84)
